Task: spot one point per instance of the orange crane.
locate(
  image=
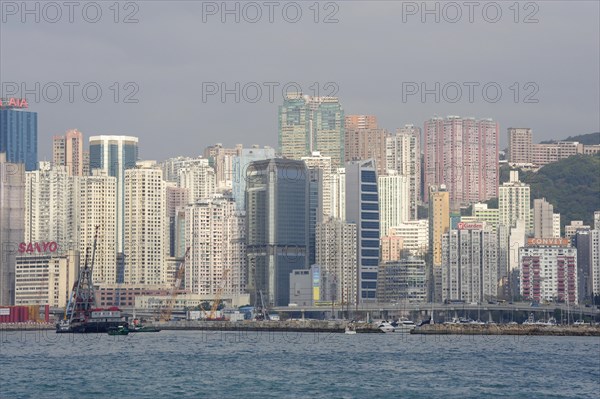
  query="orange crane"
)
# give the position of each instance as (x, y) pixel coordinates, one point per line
(218, 295)
(165, 314)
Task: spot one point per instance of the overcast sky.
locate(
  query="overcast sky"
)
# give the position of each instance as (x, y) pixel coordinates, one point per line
(376, 56)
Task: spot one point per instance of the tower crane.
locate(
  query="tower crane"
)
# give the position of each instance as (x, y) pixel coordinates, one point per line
(166, 312)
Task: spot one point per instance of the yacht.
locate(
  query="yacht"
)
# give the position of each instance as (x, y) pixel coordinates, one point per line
(403, 325)
(386, 327)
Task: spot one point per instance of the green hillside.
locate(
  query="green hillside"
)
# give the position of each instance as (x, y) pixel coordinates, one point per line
(587, 139)
(571, 185)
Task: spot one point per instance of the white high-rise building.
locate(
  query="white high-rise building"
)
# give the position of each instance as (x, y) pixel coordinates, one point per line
(338, 194)
(51, 207)
(469, 265)
(394, 201)
(403, 154)
(595, 259)
(199, 178)
(414, 234)
(317, 161)
(97, 206)
(215, 234)
(145, 225)
(545, 221)
(513, 202)
(336, 254)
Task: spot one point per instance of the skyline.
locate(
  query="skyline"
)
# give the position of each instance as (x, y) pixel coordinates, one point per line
(171, 64)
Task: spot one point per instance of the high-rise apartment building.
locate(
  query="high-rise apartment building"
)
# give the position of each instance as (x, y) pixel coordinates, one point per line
(12, 192)
(67, 151)
(198, 177)
(277, 226)
(513, 202)
(18, 132)
(240, 169)
(308, 124)
(221, 159)
(414, 235)
(520, 145)
(145, 225)
(462, 153)
(469, 264)
(548, 270)
(403, 154)
(360, 122)
(545, 221)
(362, 208)
(439, 224)
(177, 199)
(114, 155)
(318, 162)
(574, 227)
(336, 254)
(394, 201)
(595, 261)
(215, 234)
(338, 193)
(365, 143)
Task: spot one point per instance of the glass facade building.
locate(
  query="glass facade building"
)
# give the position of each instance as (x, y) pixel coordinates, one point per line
(18, 136)
(277, 217)
(362, 208)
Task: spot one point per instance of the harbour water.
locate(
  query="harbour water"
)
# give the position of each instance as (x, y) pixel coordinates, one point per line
(196, 364)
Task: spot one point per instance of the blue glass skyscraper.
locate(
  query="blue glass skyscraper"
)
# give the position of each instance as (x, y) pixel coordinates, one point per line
(18, 134)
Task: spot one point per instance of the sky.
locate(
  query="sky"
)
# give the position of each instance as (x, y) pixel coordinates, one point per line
(184, 75)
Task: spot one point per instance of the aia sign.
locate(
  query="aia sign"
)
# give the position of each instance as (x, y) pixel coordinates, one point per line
(13, 103)
(38, 247)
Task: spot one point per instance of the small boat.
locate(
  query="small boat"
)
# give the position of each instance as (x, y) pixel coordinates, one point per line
(350, 330)
(403, 325)
(120, 330)
(386, 327)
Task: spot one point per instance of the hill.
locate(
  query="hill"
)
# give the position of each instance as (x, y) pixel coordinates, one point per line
(587, 139)
(571, 185)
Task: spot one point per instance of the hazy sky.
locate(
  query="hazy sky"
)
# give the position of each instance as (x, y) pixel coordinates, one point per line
(376, 55)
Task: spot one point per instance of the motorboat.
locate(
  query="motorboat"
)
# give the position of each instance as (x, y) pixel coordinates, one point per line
(350, 330)
(403, 325)
(386, 327)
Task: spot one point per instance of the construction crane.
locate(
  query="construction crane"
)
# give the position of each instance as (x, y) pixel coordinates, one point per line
(218, 295)
(166, 312)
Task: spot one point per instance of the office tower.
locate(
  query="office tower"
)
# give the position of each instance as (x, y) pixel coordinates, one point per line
(318, 162)
(336, 254)
(403, 154)
(365, 143)
(12, 191)
(199, 178)
(520, 145)
(215, 234)
(67, 151)
(114, 155)
(221, 160)
(338, 194)
(51, 207)
(439, 224)
(414, 235)
(362, 208)
(470, 264)
(402, 280)
(240, 169)
(145, 230)
(548, 270)
(394, 201)
(177, 198)
(544, 219)
(18, 132)
(97, 203)
(360, 122)
(308, 124)
(513, 202)
(595, 261)
(277, 213)
(462, 153)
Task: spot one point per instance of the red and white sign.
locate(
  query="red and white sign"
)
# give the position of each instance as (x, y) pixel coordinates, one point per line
(38, 247)
(13, 102)
(470, 225)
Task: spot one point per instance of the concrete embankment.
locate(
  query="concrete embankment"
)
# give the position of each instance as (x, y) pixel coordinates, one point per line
(478, 329)
(27, 326)
(254, 325)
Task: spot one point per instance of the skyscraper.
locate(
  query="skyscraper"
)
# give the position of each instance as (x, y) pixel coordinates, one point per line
(439, 224)
(199, 178)
(544, 219)
(277, 220)
(18, 132)
(318, 162)
(364, 140)
(240, 167)
(513, 202)
(12, 191)
(145, 235)
(462, 153)
(68, 151)
(308, 124)
(221, 159)
(394, 201)
(114, 155)
(362, 209)
(520, 145)
(403, 154)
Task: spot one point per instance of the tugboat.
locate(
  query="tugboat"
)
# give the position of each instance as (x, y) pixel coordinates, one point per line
(82, 315)
(139, 328)
(120, 330)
